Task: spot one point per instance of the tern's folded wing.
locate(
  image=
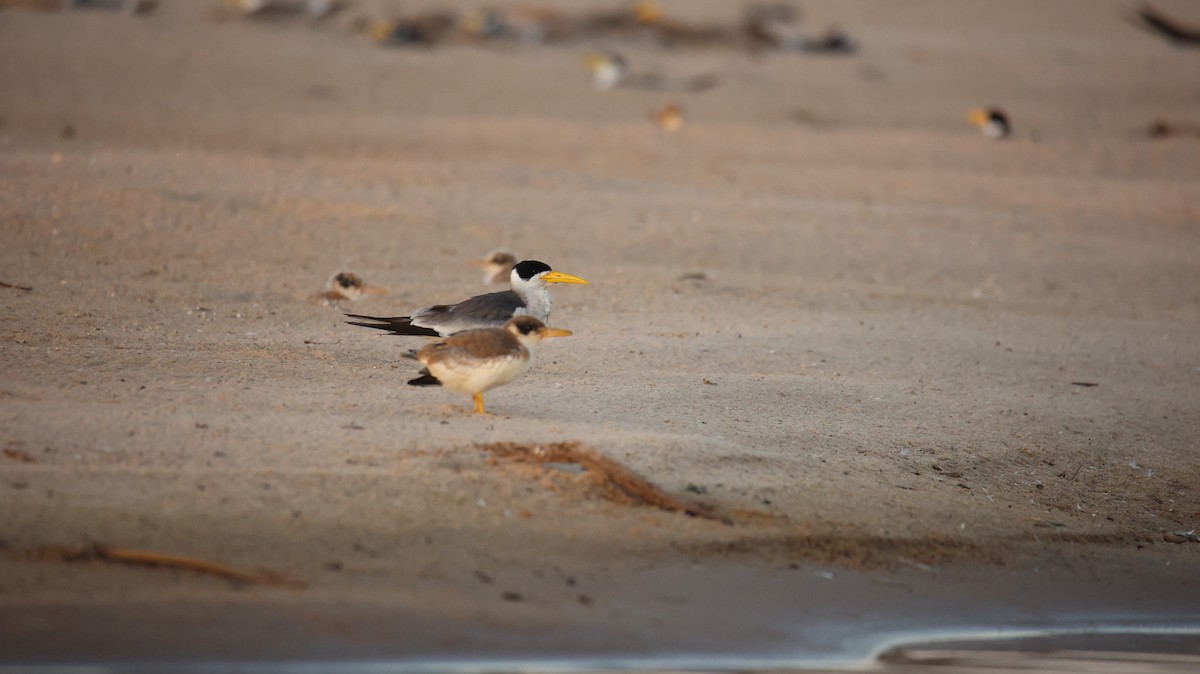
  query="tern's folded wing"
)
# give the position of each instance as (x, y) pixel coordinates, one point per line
(481, 311)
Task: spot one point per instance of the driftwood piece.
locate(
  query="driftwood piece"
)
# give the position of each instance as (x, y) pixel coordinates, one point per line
(152, 559)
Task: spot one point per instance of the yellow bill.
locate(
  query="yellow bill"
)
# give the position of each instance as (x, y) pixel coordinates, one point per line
(559, 277)
(593, 60)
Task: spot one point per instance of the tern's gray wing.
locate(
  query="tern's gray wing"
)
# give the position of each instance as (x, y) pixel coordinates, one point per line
(482, 311)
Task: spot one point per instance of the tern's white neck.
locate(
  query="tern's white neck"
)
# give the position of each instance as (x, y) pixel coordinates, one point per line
(536, 296)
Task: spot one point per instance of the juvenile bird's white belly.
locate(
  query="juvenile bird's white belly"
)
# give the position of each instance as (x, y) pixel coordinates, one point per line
(479, 377)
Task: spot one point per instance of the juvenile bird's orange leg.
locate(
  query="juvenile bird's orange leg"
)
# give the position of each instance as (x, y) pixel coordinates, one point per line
(478, 399)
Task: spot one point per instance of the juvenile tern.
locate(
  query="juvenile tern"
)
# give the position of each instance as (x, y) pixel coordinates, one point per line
(480, 360)
(528, 296)
(497, 266)
(345, 286)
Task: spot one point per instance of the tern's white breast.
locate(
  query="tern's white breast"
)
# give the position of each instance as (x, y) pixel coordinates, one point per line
(479, 375)
(607, 75)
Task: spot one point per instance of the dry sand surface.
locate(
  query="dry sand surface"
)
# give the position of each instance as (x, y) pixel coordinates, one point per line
(827, 311)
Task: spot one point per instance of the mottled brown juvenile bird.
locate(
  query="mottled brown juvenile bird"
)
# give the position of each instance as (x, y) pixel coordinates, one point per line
(345, 286)
(480, 360)
(497, 266)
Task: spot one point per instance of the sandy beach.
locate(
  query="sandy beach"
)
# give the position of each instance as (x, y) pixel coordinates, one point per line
(893, 364)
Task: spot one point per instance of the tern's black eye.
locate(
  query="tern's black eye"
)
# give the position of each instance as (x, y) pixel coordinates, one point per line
(344, 280)
(530, 268)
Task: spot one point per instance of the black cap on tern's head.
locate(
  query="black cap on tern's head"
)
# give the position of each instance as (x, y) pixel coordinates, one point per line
(539, 272)
(530, 268)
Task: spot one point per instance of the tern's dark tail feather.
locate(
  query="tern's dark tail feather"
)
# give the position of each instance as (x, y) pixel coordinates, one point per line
(425, 379)
(396, 325)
